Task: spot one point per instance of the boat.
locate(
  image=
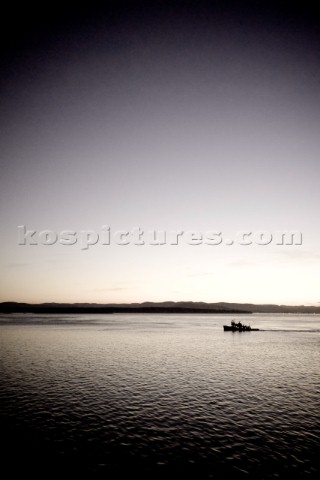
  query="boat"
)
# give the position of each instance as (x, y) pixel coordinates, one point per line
(239, 327)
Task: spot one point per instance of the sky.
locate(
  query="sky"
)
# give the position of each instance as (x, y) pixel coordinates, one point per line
(194, 117)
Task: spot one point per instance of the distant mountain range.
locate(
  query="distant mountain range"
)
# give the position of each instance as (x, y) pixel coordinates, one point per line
(154, 307)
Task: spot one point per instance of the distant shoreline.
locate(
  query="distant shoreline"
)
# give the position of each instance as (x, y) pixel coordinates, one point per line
(220, 308)
(111, 310)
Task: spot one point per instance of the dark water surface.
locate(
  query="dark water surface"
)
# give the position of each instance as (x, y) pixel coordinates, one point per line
(160, 396)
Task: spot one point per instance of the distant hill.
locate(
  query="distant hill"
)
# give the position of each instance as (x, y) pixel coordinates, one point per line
(147, 307)
(270, 308)
(154, 307)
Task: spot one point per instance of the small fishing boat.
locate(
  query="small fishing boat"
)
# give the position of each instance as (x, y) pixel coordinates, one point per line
(239, 327)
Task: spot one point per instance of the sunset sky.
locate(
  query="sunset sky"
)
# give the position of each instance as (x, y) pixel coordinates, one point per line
(172, 116)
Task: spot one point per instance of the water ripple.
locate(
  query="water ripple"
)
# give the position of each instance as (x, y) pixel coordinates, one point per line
(161, 400)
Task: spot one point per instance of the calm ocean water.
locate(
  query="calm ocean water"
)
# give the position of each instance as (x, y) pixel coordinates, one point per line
(160, 396)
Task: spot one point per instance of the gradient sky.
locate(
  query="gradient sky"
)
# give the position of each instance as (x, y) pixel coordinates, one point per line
(172, 116)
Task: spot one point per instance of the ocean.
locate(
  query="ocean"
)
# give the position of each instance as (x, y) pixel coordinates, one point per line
(160, 396)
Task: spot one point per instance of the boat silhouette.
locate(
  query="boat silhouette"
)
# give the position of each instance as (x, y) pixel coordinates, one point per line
(239, 327)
